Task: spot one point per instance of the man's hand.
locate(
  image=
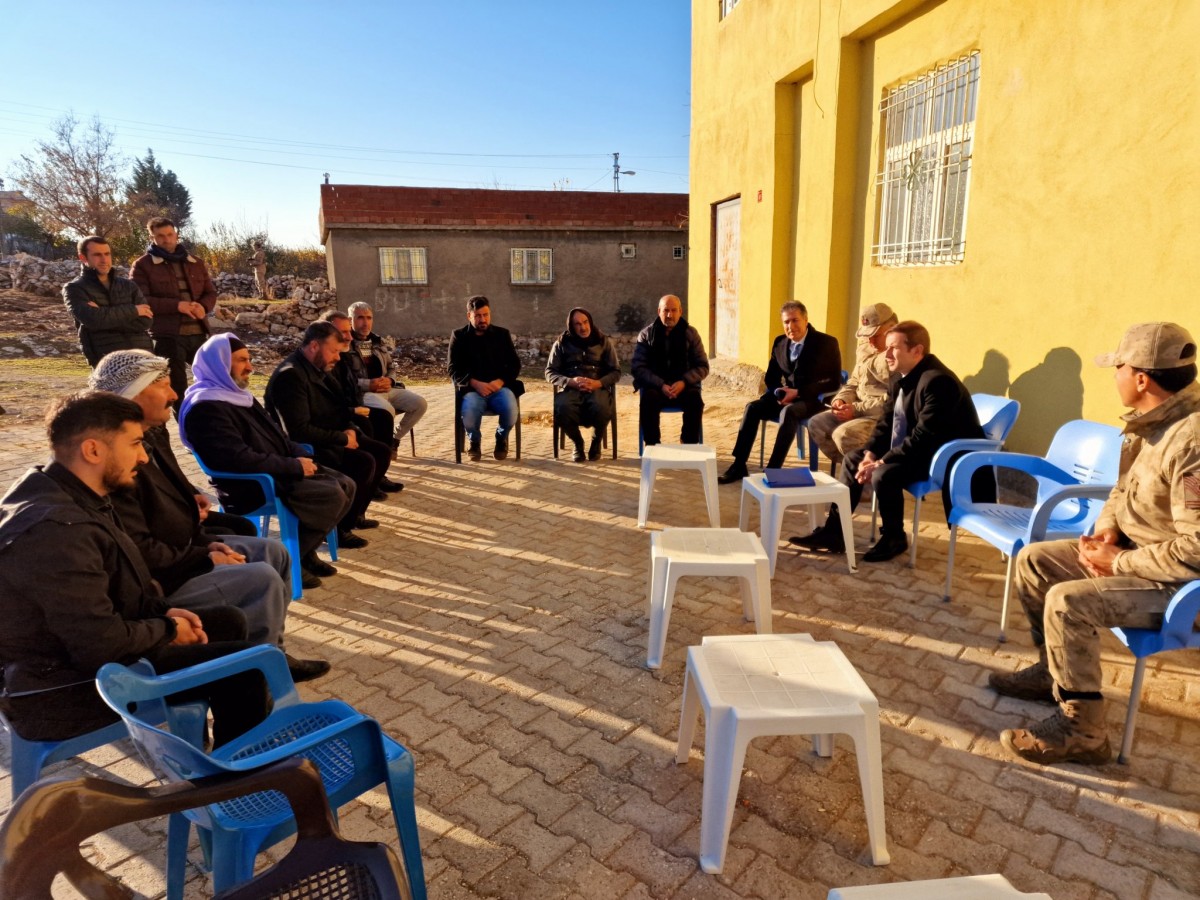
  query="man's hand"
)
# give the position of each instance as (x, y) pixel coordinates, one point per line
(191, 309)
(789, 396)
(1096, 554)
(203, 505)
(224, 555)
(188, 627)
(484, 388)
(868, 465)
(587, 385)
(842, 411)
(351, 438)
(671, 391)
(381, 385)
(143, 309)
(308, 466)
(362, 412)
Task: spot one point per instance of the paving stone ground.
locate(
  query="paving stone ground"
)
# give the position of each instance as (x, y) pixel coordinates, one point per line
(496, 625)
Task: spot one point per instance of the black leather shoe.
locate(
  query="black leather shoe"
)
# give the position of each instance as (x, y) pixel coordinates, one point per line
(594, 448)
(501, 451)
(733, 474)
(308, 580)
(364, 523)
(577, 454)
(390, 487)
(824, 538)
(889, 547)
(350, 540)
(306, 669)
(473, 452)
(316, 566)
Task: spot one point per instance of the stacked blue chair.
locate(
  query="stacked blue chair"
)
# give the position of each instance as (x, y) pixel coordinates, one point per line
(1073, 479)
(349, 749)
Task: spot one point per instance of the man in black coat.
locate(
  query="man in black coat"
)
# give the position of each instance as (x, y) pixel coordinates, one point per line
(804, 364)
(485, 369)
(926, 407)
(669, 364)
(77, 593)
(310, 403)
(110, 311)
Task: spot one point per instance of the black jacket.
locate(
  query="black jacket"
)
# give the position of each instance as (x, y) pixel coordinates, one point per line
(678, 356)
(312, 406)
(113, 323)
(818, 370)
(484, 357)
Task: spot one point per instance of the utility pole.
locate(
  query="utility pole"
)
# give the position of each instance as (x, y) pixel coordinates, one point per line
(617, 173)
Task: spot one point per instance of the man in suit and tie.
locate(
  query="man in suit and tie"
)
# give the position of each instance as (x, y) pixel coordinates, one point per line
(804, 364)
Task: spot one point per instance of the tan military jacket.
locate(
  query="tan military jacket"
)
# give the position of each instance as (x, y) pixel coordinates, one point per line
(1156, 503)
(867, 387)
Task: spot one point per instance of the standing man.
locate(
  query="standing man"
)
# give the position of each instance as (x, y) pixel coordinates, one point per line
(668, 365)
(926, 407)
(223, 423)
(100, 605)
(1145, 547)
(485, 369)
(850, 420)
(179, 291)
(375, 369)
(313, 409)
(804, 364)
(258, 262)
(109, 310)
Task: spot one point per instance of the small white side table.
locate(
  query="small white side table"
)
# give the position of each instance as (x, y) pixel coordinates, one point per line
(772, 501)
(972, 887)
(700, 457)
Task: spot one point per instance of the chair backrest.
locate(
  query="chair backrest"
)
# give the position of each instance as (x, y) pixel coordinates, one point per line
(1091, 454)
(997, 415)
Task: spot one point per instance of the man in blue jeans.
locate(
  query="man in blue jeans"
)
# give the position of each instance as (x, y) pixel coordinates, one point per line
(484, 366)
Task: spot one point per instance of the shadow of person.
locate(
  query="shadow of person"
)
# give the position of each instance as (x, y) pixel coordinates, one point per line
(992, 377)
(1050, 394)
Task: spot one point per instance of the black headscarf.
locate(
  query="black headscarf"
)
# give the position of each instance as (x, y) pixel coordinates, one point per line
(595, 337)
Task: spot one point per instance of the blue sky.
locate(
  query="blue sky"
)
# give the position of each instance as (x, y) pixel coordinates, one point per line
(249, 103)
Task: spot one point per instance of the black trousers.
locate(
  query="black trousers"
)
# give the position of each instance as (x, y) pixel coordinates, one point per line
(767, 409)
(652, 403)
(366, 467)
(319, 501)
(179, 350)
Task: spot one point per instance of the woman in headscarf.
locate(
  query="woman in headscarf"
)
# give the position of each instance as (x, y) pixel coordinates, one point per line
(583, 366)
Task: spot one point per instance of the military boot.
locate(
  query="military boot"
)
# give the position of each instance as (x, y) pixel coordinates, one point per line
(1031, 683)
(1075, 733)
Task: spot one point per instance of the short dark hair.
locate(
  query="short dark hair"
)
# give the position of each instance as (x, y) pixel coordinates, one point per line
(158, 222)
(914, 333)
(320, 332)
(1171, 380)
(333, 315)
(796, 305)
(71, 418)
(86, 242)
(477, 302)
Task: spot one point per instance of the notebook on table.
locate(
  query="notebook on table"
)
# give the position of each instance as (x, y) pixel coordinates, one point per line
(779, 478)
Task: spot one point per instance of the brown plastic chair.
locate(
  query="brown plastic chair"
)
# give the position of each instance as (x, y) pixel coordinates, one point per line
(43, 831)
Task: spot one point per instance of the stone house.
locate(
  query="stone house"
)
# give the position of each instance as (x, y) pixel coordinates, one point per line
(416, 255)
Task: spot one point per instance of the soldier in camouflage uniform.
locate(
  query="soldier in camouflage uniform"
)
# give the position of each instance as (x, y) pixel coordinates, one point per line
(1146, 547)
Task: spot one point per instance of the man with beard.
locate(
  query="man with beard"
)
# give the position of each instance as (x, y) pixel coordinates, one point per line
(669, 363)
(110, 311)
(100, 604)
(485, 369)
(375, 370)
(179, 291)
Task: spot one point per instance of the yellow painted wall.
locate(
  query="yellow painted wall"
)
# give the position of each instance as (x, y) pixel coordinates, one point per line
(1084, 212)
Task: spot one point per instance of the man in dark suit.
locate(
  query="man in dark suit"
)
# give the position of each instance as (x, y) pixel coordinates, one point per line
(926, 407)
(804, 364)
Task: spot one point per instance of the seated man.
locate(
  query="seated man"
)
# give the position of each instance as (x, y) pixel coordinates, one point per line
(850, 420)
(305, 397)
(223, 423)
(927, 407)
(485, 369)
(77, 594)
(1145, 547)
(160, 513)
(583, 366)
(668, 365)
(375, 369)
(804, 364)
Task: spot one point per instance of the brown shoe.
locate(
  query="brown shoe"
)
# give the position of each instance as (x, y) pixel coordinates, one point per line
(1075, 733)
(1031, 683)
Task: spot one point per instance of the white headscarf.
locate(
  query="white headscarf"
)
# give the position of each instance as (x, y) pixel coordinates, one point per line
(213, 383)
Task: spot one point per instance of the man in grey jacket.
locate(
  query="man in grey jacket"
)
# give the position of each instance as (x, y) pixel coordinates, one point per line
(110, 311)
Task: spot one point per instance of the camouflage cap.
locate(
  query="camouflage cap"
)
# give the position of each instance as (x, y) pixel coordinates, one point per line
(1152, 345)
(873, 318)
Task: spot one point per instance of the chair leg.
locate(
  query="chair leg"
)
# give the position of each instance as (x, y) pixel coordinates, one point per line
(724, 756)
(689, 712)
(868, 749)
(178, 831)
(404, 813)
(1008, 580)
(1135, 699)
(412, 441)
(950, 563)
(762, 442)
(912, 557)
(874, 512)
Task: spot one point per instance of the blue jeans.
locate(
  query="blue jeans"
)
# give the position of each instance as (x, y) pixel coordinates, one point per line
(503, 403)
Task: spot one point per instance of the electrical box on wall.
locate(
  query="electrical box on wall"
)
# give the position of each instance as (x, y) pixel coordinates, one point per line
(628, 251)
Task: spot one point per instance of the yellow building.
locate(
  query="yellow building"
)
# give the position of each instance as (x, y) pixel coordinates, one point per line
(1018, 176)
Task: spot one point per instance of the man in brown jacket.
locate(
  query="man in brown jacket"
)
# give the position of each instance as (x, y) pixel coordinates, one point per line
(181, 294)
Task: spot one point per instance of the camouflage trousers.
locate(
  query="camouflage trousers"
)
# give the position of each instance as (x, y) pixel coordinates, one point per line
(835, 439)
(1067, 607)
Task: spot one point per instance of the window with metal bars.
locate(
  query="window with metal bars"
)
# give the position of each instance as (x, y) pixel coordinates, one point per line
(928, 128)
(726, 7)
(534, 266)
(403, 265)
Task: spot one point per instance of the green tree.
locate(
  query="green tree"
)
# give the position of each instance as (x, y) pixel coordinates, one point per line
(158, 192)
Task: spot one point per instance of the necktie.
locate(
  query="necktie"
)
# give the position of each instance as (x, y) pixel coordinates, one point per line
(794, 351)
(899, 421)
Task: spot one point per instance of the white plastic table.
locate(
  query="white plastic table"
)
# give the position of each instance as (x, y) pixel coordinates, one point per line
(773, 501)
(755, 685)
(700, 457)
(971, 887)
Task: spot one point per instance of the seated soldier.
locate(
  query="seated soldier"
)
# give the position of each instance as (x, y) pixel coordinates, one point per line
(583, 366)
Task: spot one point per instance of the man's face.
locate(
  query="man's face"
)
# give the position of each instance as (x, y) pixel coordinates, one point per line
(580, 326)
(325, 354)
(899, 355)
(240, 368)
(156, 401)
(670, 311)
(795, 324)
(343, 327)
(99, 257)
(364, 321)
(480, 318)
(123, 453)
(1127, 377)
(166, 237)
(879, 339)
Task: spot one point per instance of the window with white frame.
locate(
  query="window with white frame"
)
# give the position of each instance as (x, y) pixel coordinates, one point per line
(532, 266)
(403, 265)
(928, 128)
(727, 6)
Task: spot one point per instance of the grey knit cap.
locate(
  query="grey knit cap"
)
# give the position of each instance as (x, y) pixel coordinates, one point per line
(128, 372)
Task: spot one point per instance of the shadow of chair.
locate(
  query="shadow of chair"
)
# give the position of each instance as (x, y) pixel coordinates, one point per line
(460, 434)
(41, 836)
(350, 750)
(560, 437)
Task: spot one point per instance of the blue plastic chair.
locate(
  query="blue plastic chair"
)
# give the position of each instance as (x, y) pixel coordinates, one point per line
(30, 757)
(665, 409)
(350, 750)
(1178, 632)
(1074, 480)
(997, 415)
(803, 435)
(289, 525)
